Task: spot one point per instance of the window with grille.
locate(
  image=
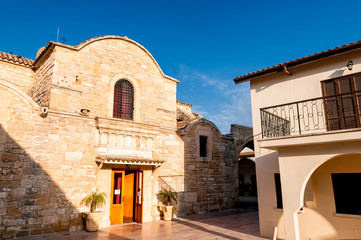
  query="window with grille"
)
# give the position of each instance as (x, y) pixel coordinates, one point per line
(123, 100)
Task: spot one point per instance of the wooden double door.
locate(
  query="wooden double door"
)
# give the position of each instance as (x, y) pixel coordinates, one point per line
(343, 102)
(126, 197)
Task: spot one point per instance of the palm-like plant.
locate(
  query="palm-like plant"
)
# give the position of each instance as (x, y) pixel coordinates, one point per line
(167, 196)
(94, 200)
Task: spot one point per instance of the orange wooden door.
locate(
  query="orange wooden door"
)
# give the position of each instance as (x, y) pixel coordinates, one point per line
(128, 197)
(117, 198)
(139, 197)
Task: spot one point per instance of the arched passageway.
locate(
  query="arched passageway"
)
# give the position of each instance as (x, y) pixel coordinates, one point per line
(332, 198)
(247, 176)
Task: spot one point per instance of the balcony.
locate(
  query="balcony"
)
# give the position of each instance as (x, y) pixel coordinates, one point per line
(312, 116)
(124, 139)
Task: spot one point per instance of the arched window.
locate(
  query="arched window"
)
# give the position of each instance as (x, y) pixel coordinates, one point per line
(123, 100)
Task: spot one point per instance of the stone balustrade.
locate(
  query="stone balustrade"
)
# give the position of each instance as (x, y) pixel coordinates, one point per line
(115, 137)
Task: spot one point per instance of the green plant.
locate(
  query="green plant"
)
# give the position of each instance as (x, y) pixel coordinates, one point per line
(94, 200)
(167, 196)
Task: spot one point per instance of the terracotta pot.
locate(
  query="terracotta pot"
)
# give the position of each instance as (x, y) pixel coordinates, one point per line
(167, 213)
(92, 221)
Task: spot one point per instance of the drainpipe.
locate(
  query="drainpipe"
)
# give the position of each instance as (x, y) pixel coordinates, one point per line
(275, 233)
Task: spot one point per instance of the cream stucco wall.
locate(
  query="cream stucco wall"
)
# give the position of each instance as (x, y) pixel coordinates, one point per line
(281, 88)
(322, 213)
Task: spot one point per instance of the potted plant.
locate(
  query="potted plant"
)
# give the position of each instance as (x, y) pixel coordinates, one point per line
(167, 197)
(93, 200)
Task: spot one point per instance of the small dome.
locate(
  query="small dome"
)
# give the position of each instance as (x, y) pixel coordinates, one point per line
(39, 52)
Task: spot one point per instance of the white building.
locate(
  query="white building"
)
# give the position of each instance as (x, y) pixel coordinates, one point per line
(307, 132)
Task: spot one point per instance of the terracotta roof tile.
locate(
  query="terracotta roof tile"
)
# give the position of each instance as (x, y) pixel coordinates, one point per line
(182, 124)
(246, 154)
(184, 104)
(16, 59)
(299, 61)
(130, 160)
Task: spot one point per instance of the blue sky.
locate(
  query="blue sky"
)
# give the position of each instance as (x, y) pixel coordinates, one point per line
(204, 44)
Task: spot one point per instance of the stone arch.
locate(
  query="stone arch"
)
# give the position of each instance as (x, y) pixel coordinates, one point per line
(247, 173)
(214, 128)
(137, 95)
(247, 177)
(205, 128)
(51, 45)
(89, 41)
(248, 143)
(21, 94)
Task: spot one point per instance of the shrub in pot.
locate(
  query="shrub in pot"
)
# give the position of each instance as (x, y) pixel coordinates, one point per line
(93, 200)
(167, 197)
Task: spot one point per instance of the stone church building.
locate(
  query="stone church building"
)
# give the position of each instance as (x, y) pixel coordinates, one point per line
(102, 114)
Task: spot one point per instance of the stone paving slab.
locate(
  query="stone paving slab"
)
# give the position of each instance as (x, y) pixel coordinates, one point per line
(233, 225)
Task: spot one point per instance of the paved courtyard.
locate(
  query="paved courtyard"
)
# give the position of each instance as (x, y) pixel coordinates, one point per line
(234, 224)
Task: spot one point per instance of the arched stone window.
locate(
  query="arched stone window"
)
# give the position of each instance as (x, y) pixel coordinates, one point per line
(123, 104)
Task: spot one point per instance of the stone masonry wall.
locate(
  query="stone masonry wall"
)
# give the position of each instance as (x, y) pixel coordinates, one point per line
(209, 183)
(17, 74)
(46, 168)
(169, 148)
(93, 72)
(48, 163)
(43, 81)
(241, 134)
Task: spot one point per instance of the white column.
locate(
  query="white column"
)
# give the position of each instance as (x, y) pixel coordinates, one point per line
(292, 179)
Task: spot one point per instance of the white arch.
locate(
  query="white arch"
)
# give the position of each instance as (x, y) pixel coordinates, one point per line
(315, 167)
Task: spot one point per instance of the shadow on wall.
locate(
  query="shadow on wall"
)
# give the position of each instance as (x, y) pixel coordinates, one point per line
(31, 203)
(173, 183)
(269, 216)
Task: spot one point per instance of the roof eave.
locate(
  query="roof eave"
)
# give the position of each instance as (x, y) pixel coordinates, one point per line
(300, 61)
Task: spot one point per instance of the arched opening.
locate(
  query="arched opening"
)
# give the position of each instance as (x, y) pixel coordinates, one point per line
(247, 186)
(332, 208)
(123, 105)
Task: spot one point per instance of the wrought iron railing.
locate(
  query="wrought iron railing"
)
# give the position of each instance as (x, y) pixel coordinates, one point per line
(312, 116)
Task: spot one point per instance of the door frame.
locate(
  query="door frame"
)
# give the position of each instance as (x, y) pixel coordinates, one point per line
(112, 197)
(137, 205)
(123, 170)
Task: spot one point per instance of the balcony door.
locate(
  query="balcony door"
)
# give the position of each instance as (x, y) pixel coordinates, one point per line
(342, 102)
